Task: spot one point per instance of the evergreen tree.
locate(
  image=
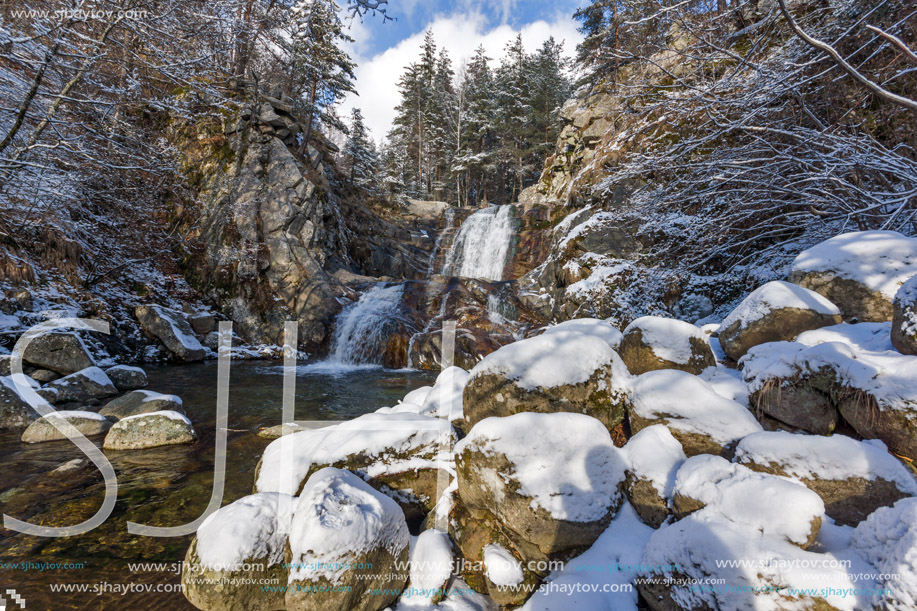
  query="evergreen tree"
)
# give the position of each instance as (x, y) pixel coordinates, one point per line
(360, 156)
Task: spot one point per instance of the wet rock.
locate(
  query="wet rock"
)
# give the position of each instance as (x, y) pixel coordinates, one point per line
(238, 549)
(652, 343)
(562, 371)
(152, 430)
(171, 327)
(777, 311)
(853, 478)
(87, 423)
(127, 378)
(339, 519)
(62, 352)
(85, 385)
(141, 402)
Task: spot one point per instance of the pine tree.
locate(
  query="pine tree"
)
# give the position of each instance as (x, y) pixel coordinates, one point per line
(360, 156)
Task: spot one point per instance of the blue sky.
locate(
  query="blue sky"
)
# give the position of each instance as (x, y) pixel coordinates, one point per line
(383, 50)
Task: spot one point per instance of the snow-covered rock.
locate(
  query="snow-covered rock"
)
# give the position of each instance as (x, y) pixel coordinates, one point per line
(345, 541)
(564, 371)
(653, 456)
(653, 342)
(63, 352)
(853, 478)
(904, 318)
(552, 479)
(765, 503)
(590, 326)
(864, 336)
(403, 454)
(163, 428)
(432, 562)
(236, 550)
(126, 378)
(703, 421)
(888, 540)
(87, 423)
(141, 402)
(84, 385)
(860, 272)
(777, 311)
(172, 328)
(279, 430)
(15, 412)
(873, 391)
(444, 400)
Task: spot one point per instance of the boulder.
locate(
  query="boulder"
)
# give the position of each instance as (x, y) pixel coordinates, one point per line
(555, 372)
(203, 323)
(139, 402)
(63, 352)
(279, 430)
(551, 479)
(887, 539)
(84, 385)
(153, 430)
(700, 419)
(652, 343)
(860, 272)
(904, 318)
(777, 311)
(126, 378)
(731, 489)
(15, 412)
(653, 456)
(87, 423)
(401, 454)
(171, 327)
(348, 546)
(873, 391)
(237, 550)
(590, 326)
(43, 376)
(853, 478)
(432, 563)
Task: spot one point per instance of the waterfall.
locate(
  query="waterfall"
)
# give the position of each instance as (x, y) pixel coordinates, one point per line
(482, 245)
(363, 327)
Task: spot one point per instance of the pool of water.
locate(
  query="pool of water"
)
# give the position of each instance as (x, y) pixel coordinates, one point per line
(161, 486)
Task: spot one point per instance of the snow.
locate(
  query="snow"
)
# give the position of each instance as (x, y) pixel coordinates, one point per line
(566, 463)
(886, 376)
(9, 322)
(551, 360)
(431, 561)
(596, 280)
(777, 295)
(68, 414)
(252, 529)
(690, 405)
(726, 382)
(445, 398)
(888, 540)
(167, 413)
(670, 339)
(417, 396)
(590, 326)
(613, 560)
(157, 396)
(827, 458)
(126, 368)
(502, 567)
(906, 299)
(93, 374)
(337, 520)
(881, 260)
(389, 438)
(653, 454)
(863, 336)
(757, 500)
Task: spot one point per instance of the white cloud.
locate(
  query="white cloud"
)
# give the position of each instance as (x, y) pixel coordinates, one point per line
(460, 34)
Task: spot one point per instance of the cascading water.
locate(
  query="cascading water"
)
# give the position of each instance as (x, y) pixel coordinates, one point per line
(363, 327)
(482, 245)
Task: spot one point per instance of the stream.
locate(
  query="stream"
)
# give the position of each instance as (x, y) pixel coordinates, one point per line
(165, 486)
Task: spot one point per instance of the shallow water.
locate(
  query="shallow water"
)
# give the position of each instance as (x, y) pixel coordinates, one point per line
(162, 486)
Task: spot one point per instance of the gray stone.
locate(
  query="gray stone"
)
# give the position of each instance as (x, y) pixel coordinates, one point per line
(153, 430)
(89, 383)
(127, 378)
(904, 318)
(64, 353)
(14, 411)
(43, 376)
(202, 323)
(141, 402)
(5, 365)
(171, 327)
(87, 423)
